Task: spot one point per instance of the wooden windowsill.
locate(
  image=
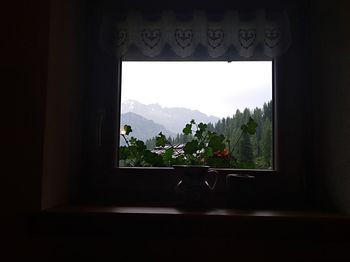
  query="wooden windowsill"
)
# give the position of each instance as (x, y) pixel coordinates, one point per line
(172, 211)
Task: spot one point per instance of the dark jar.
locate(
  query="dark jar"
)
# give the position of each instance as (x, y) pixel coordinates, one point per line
(193, 189)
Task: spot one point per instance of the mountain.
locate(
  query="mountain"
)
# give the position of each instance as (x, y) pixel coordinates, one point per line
(142, 128)
(172, 118)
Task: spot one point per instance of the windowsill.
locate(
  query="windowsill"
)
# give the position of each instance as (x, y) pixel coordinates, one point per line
(215, 212)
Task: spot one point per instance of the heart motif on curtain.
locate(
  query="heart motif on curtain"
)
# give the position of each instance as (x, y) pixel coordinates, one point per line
(119, 38)
(272, 37)
(183, 38)
(234, 28)
(150, 38)
(247, 37)
(215, 37)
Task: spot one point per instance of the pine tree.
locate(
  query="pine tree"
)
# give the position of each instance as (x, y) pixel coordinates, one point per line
(258, 117)
(266, 143)
(245, 149)
(267, 110)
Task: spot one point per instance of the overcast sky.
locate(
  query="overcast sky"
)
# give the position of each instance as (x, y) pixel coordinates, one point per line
(214, 88)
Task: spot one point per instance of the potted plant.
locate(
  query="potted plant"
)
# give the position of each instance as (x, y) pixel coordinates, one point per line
(204, 147)
(190, 160)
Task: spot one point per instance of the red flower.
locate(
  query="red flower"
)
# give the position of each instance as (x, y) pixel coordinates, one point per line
(223, 153)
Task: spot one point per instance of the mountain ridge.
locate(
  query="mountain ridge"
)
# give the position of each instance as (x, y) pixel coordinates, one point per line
(142, 128)
(172, 118)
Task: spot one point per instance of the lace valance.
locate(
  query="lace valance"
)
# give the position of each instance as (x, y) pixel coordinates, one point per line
(247, 36)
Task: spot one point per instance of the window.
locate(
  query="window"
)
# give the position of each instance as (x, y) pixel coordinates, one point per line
(96, 118)
(164, 96)
(155, 185)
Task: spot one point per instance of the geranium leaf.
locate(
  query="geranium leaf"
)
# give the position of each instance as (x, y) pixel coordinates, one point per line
(191, 147)
(250, 127)
(217, 142)
(161, 140)
(140, 145)
(202, 126)
(152, 158)
(168, 155)
(188, 129)
(124, 152)
(208, 152)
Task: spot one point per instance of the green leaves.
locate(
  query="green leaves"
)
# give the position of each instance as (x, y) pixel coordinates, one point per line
(188, 129)
(202, 127)
(168, 155)
(203, 147)
(208, 152)
(216, 142)
(123, 152)
(200, 130)
(250, 127)
(161, 140)
(152, 159)
(191, 147)
(136, 153)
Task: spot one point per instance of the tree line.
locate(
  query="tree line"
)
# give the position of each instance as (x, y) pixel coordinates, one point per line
(253, 151)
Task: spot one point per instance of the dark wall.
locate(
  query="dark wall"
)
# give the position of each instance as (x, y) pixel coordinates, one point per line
(25, 60)
(26, 57)
(331, 91)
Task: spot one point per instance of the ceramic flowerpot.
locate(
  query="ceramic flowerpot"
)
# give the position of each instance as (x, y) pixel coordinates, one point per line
(193, 189)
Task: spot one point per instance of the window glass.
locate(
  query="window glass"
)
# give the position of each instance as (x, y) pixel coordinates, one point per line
(165, 96)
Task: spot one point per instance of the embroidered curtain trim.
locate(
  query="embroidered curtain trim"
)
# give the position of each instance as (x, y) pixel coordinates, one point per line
(247, 37)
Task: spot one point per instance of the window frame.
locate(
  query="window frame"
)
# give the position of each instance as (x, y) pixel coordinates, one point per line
(88, 176)
(153, 186)
(292, 162)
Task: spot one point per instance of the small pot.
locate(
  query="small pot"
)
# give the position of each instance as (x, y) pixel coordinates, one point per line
(193, 189)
